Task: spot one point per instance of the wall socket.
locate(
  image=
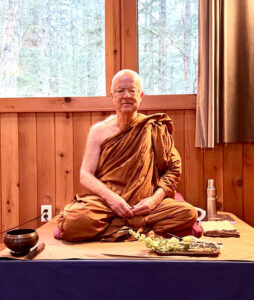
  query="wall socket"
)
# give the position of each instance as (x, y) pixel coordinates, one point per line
(48, 213)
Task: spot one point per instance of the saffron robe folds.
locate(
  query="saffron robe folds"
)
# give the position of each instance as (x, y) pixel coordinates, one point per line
(132, 163)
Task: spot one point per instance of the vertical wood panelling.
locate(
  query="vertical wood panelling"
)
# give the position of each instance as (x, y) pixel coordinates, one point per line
(233, 179)
(129, 45)
(193, 164)
(46, 163)
(81, 125)
(42, 154)
(27, 169)
(213, 169)
(64, 159)
(9, 170)
(178, 130)
(112, 40)
(248, 183)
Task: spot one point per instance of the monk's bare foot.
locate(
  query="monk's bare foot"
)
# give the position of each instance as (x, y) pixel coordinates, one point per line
(57, 234)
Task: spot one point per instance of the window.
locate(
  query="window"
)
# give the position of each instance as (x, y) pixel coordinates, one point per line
(52, 48)
(168, 45)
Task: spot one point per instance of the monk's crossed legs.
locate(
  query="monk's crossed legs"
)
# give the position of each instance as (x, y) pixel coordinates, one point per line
(92, 218)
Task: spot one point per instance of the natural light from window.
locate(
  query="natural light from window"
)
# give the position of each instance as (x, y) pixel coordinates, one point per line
(52, 48)
(168, 46)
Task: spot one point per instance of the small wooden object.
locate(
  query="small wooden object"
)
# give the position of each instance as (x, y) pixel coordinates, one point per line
(35, 251)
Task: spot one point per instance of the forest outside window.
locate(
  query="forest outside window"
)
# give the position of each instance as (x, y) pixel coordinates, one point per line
(52, 48)
(168, 46)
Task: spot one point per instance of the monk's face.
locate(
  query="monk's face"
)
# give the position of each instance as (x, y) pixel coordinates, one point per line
(127, 93)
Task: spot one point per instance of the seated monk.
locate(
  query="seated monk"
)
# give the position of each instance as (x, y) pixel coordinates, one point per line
(130, 169)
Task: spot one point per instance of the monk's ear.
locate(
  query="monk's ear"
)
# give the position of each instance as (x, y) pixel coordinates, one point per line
(140, 98)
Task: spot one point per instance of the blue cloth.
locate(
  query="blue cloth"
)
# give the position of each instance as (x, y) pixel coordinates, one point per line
(126, 279)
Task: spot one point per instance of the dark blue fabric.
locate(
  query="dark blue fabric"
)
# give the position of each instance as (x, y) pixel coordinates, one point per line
(126, 279)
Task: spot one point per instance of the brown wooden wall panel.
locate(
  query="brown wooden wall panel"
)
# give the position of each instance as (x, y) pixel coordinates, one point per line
(248, 183)
(194, 192)
(46, 161)
(64, 159)
(81, 125)
(112, 40)
(213, 169)
(9, 170)
(233, 179)
(43, 152)
(129, 45)
(27, 169)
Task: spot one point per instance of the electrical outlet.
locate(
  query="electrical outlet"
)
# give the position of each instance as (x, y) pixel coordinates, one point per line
(48, 213)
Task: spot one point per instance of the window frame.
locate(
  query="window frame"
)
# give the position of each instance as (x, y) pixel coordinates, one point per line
(121, 51)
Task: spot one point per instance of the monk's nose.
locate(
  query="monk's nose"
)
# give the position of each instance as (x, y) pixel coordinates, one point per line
(126, 93)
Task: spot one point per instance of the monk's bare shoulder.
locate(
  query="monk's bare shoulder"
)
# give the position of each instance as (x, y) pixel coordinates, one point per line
(102, 130)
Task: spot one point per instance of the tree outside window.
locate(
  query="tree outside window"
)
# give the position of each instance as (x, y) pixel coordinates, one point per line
(52, 48)
(168, 45)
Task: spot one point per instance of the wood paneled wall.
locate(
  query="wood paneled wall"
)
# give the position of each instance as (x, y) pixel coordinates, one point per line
(41, 155)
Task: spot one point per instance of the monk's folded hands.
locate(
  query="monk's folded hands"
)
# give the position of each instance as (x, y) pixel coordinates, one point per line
(145, 206)
(120, 206)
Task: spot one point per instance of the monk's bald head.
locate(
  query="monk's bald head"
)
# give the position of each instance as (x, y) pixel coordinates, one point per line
(130, 73)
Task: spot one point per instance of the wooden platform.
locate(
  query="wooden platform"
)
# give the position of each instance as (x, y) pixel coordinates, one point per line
(233, 249)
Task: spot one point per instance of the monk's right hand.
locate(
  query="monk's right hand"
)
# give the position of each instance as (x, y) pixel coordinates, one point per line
(120, 207)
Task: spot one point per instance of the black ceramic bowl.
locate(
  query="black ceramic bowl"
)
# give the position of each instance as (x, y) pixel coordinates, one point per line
(20, 241)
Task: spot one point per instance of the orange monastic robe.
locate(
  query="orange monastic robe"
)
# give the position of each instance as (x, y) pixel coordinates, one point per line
(133, 163)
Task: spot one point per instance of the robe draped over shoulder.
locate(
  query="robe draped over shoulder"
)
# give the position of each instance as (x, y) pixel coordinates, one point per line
(140, 158)
(133, 163)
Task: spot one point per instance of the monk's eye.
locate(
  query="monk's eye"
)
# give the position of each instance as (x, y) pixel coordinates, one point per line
(120, 91)
(132, 91)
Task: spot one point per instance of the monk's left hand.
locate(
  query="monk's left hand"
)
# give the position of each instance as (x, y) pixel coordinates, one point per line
(145, 206)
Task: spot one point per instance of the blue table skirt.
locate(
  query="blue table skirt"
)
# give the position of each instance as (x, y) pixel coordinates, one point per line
(126, 279)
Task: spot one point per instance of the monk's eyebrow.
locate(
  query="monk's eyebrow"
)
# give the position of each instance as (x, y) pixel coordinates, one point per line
(126, 87)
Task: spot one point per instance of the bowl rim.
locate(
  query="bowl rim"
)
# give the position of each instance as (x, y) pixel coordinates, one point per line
(22, 235)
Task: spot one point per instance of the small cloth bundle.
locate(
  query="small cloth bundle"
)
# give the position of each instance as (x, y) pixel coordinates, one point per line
(219, 229)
